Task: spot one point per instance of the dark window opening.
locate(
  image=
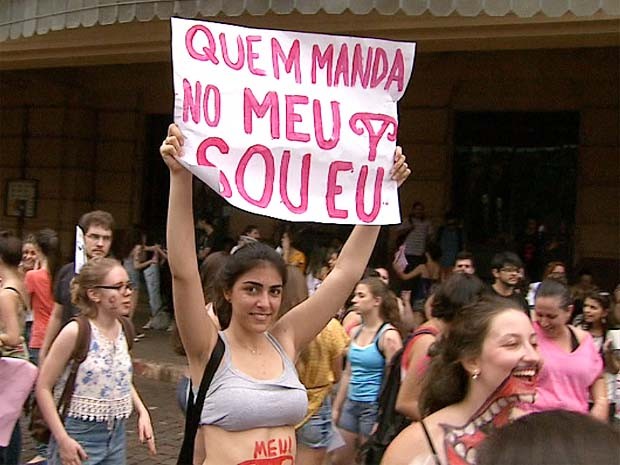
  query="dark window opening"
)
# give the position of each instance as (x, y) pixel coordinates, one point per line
(511, 168)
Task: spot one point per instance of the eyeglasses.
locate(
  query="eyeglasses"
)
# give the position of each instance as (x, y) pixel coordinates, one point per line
(99, 237)
(123, 287)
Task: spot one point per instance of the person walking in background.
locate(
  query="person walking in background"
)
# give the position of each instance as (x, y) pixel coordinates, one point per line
(12, 321)
(464, 263)
(451, 240)
(29, 262)
(373, 344)
(291, 254)
(419, 232)
(426, 276)
(457, 292)
(573, 368)
(205, 233)
(506, 268)
(320, 367)
(97, 226)
(579, 290)
(596, 307)
(250, 234)
(146, 260)
(39, 284)
(103, 397)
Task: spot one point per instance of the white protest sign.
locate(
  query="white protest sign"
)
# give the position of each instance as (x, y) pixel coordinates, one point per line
(80, 250)
(296, 126)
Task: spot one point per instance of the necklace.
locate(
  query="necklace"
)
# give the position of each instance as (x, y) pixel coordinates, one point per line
(253, 350)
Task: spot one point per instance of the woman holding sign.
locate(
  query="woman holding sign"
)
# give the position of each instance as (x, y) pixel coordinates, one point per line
(255, 398)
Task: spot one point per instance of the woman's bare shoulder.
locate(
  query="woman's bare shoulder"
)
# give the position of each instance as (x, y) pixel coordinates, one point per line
(408, 448)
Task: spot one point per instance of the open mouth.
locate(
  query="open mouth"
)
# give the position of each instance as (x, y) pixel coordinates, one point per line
(518, 387)
(526, 374)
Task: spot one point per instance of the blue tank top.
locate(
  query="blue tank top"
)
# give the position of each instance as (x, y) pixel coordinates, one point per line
(367, 368)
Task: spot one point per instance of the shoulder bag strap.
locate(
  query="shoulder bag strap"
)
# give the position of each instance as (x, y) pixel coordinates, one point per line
(378, 334)
(194, 409)
(80, 352)
(129, 330)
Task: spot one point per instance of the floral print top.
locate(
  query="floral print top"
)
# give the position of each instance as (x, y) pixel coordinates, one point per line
(104, 379)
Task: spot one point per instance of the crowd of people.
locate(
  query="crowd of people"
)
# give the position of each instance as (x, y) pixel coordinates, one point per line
(434, 367)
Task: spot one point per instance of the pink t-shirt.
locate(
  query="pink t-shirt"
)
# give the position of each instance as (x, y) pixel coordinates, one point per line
(565, 378)
(42, 302)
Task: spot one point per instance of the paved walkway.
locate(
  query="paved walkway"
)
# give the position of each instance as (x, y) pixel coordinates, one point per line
(157, 368)
(168, 423)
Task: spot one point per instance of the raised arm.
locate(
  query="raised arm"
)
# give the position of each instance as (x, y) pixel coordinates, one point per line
(197, 332)
(417, 271)
(299, 326)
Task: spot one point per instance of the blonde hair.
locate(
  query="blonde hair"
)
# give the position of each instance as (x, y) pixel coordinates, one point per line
(91, 275)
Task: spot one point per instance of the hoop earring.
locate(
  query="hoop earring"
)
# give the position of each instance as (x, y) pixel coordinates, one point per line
(475, 374)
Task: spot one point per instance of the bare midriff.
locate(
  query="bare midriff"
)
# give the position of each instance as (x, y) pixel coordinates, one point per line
(258, 446)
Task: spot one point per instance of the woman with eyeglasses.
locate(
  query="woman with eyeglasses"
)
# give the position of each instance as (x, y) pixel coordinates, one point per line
(573, 369)
(104, 396)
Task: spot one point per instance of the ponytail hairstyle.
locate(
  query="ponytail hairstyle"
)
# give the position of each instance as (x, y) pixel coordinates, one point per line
(554, 288)
(388, 311)
(243, 260)
(92, 274)
(446, 381)
(47, 242)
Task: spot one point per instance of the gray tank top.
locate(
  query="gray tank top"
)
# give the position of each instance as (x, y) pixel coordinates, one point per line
(238, 402)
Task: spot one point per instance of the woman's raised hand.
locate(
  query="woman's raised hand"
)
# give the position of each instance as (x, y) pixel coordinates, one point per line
(172, 148)
(400, 171)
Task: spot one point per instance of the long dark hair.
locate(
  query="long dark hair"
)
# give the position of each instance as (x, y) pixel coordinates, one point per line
(446, 381)
(47, 242)
(554, 288)
(605, 301)
(456, 292)
(555, 436)
(243, 260)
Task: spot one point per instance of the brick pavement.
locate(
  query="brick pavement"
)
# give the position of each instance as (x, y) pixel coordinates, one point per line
(156, 371)
(167, 419)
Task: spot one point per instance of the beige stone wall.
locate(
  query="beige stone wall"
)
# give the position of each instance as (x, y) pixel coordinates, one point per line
(88, 136)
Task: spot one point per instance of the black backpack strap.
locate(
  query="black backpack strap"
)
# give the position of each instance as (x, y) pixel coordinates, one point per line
(377, 337)
(194, 409)
(80, 352)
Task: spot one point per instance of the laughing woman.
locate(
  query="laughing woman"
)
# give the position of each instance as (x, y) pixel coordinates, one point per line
(487, 360)
(573, 369)
(255, 398)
